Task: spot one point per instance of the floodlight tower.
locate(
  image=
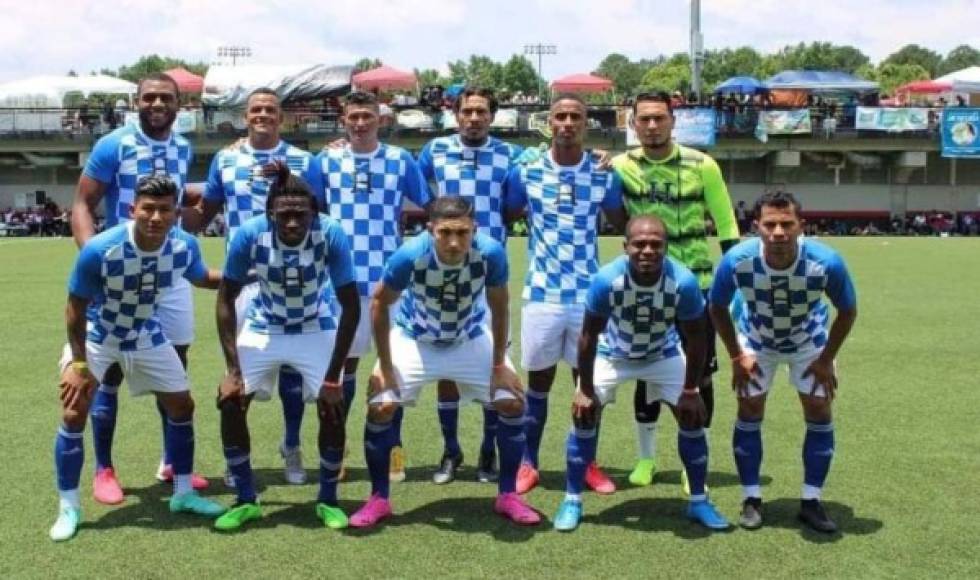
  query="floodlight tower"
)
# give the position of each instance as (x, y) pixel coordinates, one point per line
(540, 50)
(697, 48)
(234, 52)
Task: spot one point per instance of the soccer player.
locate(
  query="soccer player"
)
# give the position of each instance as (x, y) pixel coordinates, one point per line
(238, 183)
(683, 187)
(292, 251)
(124, 273)
(563, 192)
(117, 163)
(365, 182)
(473, 165)
(634, 308)
(782, 278)
(446, 278)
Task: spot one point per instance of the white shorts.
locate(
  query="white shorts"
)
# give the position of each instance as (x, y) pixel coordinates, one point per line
(769, 362)
(152, 370)
(176, 313)
(468, 363)
(664, 377)
(261, 357)
(549, 333)
(245, 297)
(364, 338)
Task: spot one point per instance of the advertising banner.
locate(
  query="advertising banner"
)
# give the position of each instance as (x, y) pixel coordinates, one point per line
(892, 119)
(961, 132)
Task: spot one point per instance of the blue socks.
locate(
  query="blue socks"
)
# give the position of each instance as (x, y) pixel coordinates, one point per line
(818, 451)
(379, 438)
(747, 447)
(536, 416)
(511, 442)
(291, 394)
(490, 419)
(240, 465)
(449, 424)
(105, 407)
(179, 443)
(692, 446)
(69, 455)
(349, 384)
(331, 459)
(580, 449)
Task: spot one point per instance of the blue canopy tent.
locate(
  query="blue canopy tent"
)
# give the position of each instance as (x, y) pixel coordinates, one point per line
(741, 85)
(817, 80)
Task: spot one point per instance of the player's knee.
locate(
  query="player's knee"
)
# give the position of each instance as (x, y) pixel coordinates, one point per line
(230, 407)
(816, 409)
(586, 421)
(448, 391)
(178, 406)
(509, 407)
(752, 408)
(74, 417)
(382, 412)
(689, 423)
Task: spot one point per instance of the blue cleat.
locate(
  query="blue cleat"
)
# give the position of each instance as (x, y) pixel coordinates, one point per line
(192, 503)
(705, 514)
(568, 516)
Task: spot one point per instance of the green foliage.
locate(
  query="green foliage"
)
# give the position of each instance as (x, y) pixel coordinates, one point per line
(519, 75)
(431, 76)
(891, 76)
(915, 54)
(672, 74)
(366, 64)
(959, 58)
(625, 74)
(821, 56)
(154, 63)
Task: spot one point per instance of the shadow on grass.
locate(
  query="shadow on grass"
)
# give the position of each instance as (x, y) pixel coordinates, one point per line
(782, 513)
(555, 480)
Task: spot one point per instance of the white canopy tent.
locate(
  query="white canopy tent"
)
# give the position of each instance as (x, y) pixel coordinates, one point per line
(964, 81)
(50, 91)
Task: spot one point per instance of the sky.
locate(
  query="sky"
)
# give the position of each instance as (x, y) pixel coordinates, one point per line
(55, 36)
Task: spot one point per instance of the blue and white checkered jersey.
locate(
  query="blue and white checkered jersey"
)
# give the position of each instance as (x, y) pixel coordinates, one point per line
(365, 194)
(292, 279)
(783, 310)
(125, 284)
(563, 206)
(444, 304)
(237, 182)
(477, 174)
(642, 319)
(124, 156)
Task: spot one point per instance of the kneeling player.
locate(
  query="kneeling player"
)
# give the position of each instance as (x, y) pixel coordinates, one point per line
(440, 276)
(119, 277)
(635, 305)
(293, 251)
(783, 319)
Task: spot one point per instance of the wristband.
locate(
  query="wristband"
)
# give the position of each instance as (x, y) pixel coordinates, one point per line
(331, 385)
(740, 356)
(693, 391)
(79, 366)
(500, 366)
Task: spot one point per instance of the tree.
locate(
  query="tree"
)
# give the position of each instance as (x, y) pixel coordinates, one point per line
(915, 54)
(366, 64)
(672, 74)
(624, 73)
(959, 58)
(150, 64)
(431, 76)
(821, 56)
(890, 76)
(518, 74)
(726, 63)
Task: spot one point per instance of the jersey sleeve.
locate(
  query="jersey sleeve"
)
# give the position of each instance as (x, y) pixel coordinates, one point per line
(103, 163)
(214, 189)
(425, 162)
(516, 195)
(597, 300)
(690, 303)
(340, 265)
(497, 268)
(239, 259)
(723, 287)
(840, 287)
(414, 185)
(717, 200)
(85, 280)
(314, 178)
(614, 193)
(398, 269)
(196, 268)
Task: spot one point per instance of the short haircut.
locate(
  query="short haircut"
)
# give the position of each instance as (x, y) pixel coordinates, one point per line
(361, 99)
(476, 92)
(652, 218)
(156, 186)
(779, 199)
(160, 77)
(263, 91)
(450, 207)
(288, 185)
(568, 97)
(653, 97)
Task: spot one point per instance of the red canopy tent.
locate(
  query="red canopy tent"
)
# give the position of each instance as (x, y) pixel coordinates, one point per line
(187, 81)
(581, 83)
(383, 78)
(925, 87)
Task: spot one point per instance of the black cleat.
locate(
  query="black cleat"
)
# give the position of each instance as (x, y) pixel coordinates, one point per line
(751, 518)
(447, 469)
(487, 467)
(813, 515)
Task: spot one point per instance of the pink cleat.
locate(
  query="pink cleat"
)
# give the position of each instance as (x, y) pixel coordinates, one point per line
(598, 481)
(527, 478)
(165, 473)
(512, 506)
(105, 488)
(373, 511)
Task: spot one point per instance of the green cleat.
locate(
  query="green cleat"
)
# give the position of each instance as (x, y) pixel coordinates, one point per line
(642, 474)
(66, 525)
(333, 517)
(238, 515)
(192, 503)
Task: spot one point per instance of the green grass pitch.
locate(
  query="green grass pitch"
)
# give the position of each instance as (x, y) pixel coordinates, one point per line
(904, 484)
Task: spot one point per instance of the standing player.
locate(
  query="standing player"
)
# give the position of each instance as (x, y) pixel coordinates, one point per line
(446, 279)
(634, 308)
(783, 319)
(472, 165)
(292, 251)
(117, 163)
(238, 182)
(124, 274)
(563, 192)
(683, 187)
(365, 182)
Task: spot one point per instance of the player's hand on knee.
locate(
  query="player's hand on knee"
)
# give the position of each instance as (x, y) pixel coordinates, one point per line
(77, 387)
(691, 412)
(504, 378)
(745, 371)
(584, 407)
(232, 388)
(823, 375)
(331, 401)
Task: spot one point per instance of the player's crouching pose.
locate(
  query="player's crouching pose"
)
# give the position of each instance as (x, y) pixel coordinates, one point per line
(293, 251)
(782, 279)
(118, 280)
(634, 306)
(441, 276)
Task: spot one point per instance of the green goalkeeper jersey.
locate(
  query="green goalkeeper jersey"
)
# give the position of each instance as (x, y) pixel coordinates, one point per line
(682, 189)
